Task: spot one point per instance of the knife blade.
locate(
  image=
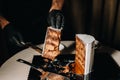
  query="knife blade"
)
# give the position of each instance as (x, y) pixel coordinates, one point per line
(28, 63)
(34, 47)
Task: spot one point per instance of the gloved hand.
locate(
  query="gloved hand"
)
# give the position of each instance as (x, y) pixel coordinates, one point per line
(13, 36)
(56, 19)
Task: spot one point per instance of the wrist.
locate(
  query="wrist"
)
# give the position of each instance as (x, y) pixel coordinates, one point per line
(57, 5)
(54, 8)
(3, 22)
(4, 25)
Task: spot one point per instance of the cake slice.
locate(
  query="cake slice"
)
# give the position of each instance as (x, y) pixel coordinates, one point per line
(84, 54)
(51, 44)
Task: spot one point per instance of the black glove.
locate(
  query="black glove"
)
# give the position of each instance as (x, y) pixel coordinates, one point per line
(56, 19)
(13, 36)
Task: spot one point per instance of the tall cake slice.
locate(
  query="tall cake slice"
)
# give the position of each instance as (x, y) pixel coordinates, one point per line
(51, 44)
(84, 54)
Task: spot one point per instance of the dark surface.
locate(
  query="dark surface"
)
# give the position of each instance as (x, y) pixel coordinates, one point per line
(34, 74)
(104, 67)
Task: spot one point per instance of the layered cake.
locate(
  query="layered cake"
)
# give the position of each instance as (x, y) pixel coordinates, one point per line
(51, 44)
(84, 54)
(80, 56)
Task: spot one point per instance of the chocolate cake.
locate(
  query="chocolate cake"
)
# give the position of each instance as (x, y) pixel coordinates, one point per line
(52, 42)
(80, 57)
(84, 54)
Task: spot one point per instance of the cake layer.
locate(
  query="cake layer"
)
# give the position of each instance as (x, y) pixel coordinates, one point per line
(79, 57)
(52, 42)
(84, 53)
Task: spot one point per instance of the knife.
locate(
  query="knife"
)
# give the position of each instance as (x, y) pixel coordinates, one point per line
(34, 47)
(28, 63)
(28, 44)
